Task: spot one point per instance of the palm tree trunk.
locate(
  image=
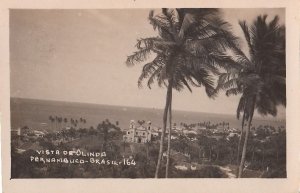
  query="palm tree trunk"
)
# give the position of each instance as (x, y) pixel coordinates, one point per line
(163, 130)
(124, 146)
(169, 136)
(243, 159)
(147, 151)
(239, 144)
(263, 157)
(232, 156)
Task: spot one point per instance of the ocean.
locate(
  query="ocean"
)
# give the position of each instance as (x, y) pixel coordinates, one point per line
(35, 114)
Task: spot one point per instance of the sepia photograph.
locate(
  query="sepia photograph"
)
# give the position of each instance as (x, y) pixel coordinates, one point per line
(148, 93)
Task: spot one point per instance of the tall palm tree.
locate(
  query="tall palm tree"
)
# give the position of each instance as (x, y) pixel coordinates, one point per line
(188, 52)
(65, 121)
(260, 78)
(52, 119)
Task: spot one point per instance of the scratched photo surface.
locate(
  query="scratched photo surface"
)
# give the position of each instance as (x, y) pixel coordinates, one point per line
(148, 93)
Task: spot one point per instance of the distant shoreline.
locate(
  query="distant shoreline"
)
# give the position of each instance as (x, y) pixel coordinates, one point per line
(14, 99)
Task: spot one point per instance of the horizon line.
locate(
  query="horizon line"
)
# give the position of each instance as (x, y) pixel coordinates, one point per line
(89, 103)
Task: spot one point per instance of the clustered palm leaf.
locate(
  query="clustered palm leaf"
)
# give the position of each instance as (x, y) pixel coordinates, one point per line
(259, 77)
(188, 52)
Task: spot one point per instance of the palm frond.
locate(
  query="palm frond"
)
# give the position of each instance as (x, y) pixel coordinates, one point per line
(222, 32)
(247, 35)
(172, 16)
(240, 57)
(186, 84)
(148, 70)
(151, 70)
(233, 91)
(163, 25)
(147, 45)
(204, 78)
(154, 75)
(138, 56)
(265, 105)
(188, 20)
(192, 17)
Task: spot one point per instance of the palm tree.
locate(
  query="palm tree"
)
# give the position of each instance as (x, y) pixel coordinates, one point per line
(52, 120)
(188, 52)
(240, 106)
(260, 78)
(66, 121)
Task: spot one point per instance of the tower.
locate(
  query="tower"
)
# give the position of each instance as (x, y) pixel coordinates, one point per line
(149, 131)
(132, 124)
(132, 129)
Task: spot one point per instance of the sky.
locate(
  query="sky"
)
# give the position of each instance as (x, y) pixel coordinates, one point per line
(79, 56)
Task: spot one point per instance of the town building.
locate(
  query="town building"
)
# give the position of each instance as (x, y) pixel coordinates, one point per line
(138, 134)
(16, 132)
(38, 133)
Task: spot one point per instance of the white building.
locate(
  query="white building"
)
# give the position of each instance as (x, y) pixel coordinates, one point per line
(138, 134)
(16, 132)
(39, 133)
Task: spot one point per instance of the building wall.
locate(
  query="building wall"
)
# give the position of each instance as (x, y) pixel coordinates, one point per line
(137, 135)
